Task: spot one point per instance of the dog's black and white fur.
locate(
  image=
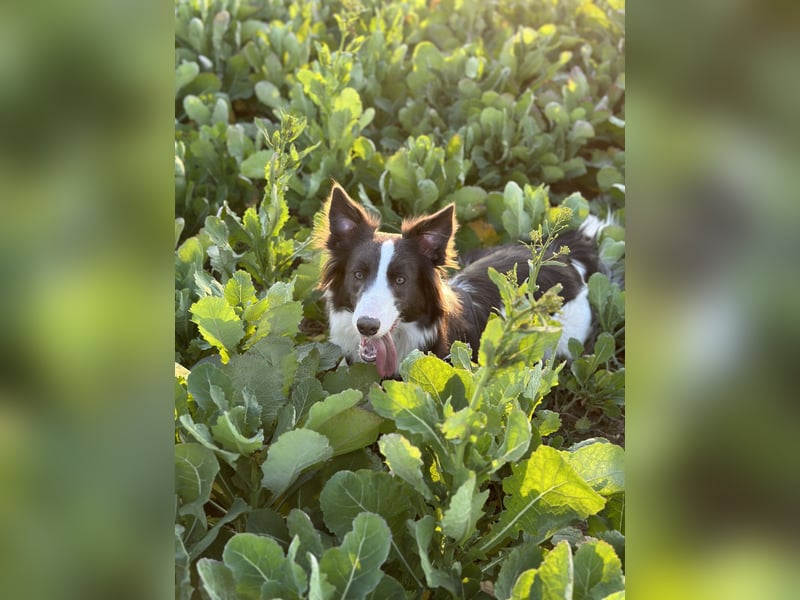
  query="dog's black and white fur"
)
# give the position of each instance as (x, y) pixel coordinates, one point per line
(387, 294)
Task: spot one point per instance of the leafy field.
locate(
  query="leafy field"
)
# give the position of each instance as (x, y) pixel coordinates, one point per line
(297, 477)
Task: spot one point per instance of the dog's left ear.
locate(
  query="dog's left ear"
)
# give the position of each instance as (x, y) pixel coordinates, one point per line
(434, 235)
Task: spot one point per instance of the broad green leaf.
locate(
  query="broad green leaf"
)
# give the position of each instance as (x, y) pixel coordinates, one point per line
(218, 324)
(196, 467)
(196, 109)
(290, 454)
(254, 166)
(607, 177)
(265, 521)
(464, 425)
(601, 464)
(228, 432)
(200, 432)
(579, 207)
(301, 528)
(354, 567)
(553, 580)
(210, 387)
(330, 407)
(405, 461)
(461, 356)
(267, 369)
(217, 580)
(433, 374)
(409, 407)
(255, 560)
(597, 571)
(388, 588)
(239, 290)
(521, 558)
(185, 74)
(550, 422)
(269, 94)
(543, 493)
(516, 438)
(422, 532)
(603, 348)
(347, 494)
(220, 112)
(359, 376)
(466, 507)
(351, 430)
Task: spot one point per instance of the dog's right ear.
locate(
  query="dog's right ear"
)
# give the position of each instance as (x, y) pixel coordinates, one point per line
(345, 217)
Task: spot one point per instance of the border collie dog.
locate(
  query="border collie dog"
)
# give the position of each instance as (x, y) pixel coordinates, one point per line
(388, 294)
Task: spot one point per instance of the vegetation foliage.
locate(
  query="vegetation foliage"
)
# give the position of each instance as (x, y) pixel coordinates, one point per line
(298, 476)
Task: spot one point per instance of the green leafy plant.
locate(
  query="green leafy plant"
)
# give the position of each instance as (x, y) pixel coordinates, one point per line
(299, 476)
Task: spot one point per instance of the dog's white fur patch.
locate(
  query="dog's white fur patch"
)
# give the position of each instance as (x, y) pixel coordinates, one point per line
(576, 321)
(377, 301)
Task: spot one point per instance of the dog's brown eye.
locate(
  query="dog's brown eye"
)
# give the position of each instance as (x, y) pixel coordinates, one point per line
(399, 280)
(358, 274)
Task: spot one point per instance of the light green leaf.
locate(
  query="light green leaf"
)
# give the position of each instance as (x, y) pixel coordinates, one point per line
(210, 387)
(601, 464)
(200, 432)
(218, 324)
(598, 571)
(354, 567)
(268, 94)
(196, 467)
(351, 430)
(543, 493)
(607, 177)
(239, 290)
(550, 422)
(521, 558)
(405, 461)
(267, 370)
(185, 74)
(387, 589)
(228, 432)
(551, 581)
(217, 580)
(254, 166)
(255, 560)
(318, 586)
(301, 528)
(196, 109)
(516, 221)
(433, 375)
(291, 454)
(220, 113)
(516, 438)
(461, 356)
(347, 494)
(466, 507)
(409, 407)
(330, 407)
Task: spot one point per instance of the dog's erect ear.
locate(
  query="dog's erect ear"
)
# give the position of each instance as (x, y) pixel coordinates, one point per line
(344, 215)
(434, 235)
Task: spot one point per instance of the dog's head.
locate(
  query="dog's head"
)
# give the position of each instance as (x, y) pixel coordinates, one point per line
(376, 281)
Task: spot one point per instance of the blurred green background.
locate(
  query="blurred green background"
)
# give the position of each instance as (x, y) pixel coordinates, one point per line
(86, 309)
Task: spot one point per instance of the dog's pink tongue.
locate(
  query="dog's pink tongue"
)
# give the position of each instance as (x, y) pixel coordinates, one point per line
(386, 355)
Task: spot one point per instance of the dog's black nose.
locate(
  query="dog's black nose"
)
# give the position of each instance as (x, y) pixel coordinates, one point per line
(368, 325)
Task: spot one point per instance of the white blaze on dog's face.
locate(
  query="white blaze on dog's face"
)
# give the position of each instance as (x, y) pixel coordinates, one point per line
(377, 307)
